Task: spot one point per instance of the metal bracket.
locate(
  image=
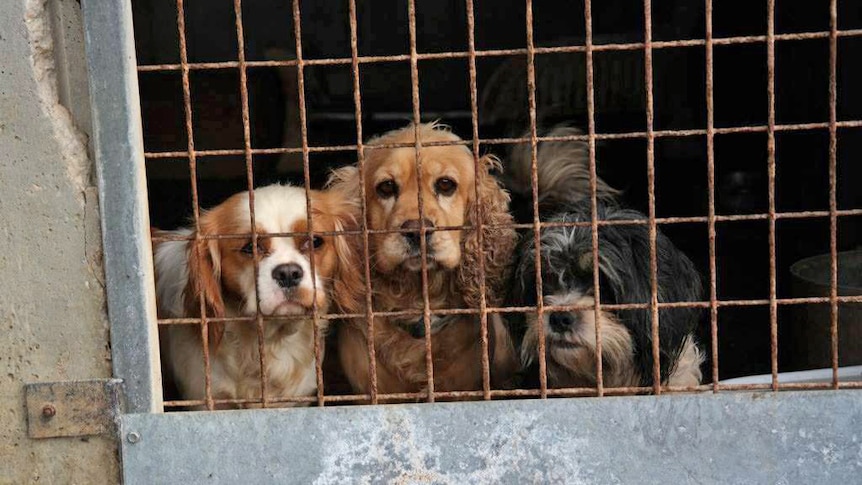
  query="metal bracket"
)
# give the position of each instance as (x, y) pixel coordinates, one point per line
(73, 408)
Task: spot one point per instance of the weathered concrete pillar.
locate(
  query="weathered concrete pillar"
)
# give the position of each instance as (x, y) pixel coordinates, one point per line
(53, 324)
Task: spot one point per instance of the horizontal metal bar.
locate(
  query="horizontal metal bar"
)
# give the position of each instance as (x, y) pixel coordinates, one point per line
(424, 56)
(512, 141)
(521, 309)
(542, 225)
(850, 382)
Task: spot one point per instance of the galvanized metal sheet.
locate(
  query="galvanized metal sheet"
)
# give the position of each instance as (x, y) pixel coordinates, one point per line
(118, 146)
(72, 408)
(789, 437)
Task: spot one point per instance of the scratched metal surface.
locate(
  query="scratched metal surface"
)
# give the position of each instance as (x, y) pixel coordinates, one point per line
(119, 151)
(787, 437)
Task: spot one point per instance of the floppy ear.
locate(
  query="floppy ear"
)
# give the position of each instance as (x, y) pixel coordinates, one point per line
(348, 287)
(205, 284)
(498, 244)
(345, 182)
(678, 281)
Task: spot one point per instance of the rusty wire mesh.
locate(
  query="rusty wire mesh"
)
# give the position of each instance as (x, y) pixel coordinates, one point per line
(648, 46)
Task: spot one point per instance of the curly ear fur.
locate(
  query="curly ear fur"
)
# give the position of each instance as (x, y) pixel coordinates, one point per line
(348, 289)
(498, 245)
(345, 181)
(204, 262)
(491, 211)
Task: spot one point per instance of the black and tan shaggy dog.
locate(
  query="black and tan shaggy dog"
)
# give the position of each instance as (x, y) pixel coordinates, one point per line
(624, 274)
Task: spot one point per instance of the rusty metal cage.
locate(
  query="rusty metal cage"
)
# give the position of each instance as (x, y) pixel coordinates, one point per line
(588, 48)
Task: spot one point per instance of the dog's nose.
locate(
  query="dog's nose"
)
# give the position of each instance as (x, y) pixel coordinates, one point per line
(287, 275)
(413, 237)
(561, 321)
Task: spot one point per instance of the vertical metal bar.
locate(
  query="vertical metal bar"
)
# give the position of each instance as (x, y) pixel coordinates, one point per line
(710, 179)
(303, 123)
(187, 105)
(770, 130)
(360, 154)
(594, 215)
(474, 117)
(249, 173)
(120, 167)
(833, 182)
(423, 246)
(653, 259)
(534, 182)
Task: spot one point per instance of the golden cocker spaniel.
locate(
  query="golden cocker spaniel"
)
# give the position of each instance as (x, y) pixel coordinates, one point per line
(448, 188)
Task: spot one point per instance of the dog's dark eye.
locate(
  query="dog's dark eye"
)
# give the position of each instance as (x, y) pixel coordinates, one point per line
(387, 189)
(247, 249)
(445, 186)
(314, 243)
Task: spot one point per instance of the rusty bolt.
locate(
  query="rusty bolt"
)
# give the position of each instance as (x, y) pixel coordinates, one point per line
(48, 411)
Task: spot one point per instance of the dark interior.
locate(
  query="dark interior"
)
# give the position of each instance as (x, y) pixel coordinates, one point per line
(740, 80)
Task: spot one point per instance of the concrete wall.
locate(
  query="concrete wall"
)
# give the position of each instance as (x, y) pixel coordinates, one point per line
(53, 323)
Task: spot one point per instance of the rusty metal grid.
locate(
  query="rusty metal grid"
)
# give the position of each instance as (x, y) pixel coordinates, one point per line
(648, 46)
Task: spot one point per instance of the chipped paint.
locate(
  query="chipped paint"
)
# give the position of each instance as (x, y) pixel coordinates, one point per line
(72, 142)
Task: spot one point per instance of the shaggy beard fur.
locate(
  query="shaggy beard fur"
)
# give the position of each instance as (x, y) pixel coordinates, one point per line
(624, 271)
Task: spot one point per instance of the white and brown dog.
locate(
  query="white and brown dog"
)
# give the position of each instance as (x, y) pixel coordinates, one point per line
(219, 275)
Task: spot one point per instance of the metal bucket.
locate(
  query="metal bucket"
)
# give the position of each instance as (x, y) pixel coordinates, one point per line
(810, 342)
